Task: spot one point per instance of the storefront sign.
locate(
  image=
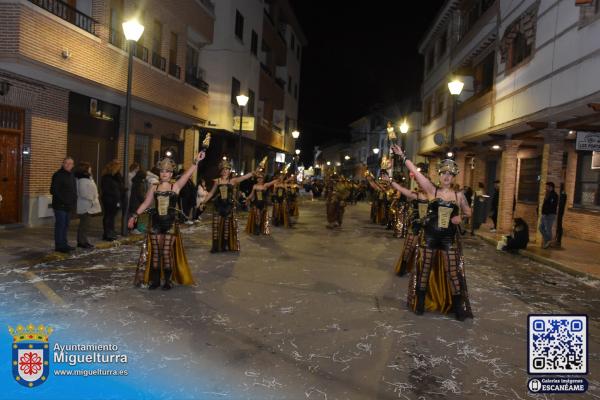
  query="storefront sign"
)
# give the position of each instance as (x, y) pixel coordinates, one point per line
(596, 160)
(247, 123)
(589, 141)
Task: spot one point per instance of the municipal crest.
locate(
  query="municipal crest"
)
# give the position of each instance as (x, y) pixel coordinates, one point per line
(30, 354)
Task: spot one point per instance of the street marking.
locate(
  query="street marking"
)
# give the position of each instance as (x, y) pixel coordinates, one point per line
(45, 290)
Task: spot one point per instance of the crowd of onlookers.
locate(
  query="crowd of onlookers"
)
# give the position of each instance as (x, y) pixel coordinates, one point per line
(73, 189)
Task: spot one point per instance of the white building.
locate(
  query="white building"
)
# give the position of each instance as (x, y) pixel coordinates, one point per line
(530, 74)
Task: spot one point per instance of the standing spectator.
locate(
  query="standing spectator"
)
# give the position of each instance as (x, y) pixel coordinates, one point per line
(138, 190)
(187, 196)
(64, 200)
(548, 214)
(562, 203)
(133, 169)
(495, 199)
(112, 188)
(201, 195)
(88, 202)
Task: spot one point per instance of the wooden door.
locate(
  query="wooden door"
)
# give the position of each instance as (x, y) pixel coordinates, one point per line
(9, 177)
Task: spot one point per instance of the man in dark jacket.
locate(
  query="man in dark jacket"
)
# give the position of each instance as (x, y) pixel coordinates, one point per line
(548, 214)
(495, 201)
(64, 200)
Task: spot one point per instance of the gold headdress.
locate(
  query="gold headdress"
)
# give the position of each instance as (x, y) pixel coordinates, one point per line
(262, 166)
(286, 169)
(224, 164)
(386, 162)
(448, 165)
(166, 164)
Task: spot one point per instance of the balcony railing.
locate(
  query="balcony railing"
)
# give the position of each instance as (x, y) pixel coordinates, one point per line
(193, 79)
(140, 52)
(159, 62)
(68, 13)
(175, 70)
(209, 4)
(116, 38)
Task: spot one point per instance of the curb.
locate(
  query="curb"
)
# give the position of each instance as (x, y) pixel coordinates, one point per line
(543, 260)
(56, 256)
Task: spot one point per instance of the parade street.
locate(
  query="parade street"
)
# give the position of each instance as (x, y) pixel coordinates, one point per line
(308, 313)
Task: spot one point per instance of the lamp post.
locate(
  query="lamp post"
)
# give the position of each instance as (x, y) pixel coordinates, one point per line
(242, 100)
(132, 30)
(295, 136)
(455, 87)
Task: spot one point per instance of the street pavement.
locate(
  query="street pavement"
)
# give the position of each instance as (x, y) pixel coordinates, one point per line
(308, 313)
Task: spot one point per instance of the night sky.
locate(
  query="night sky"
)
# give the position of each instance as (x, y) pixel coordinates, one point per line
(359, 54)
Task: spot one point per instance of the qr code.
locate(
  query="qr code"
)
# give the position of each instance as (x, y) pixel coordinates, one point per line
(557, 344)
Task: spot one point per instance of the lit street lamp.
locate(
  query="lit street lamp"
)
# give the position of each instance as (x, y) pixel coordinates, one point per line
(455, 87)
(132, 30)
(242, 100)
(346, 157)
(404, 127)
(375, 150)
(297, 152)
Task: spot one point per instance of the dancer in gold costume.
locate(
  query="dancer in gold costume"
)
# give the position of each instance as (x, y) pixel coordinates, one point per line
(258, 214)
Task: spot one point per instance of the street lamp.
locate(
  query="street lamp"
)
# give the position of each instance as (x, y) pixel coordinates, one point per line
(295, 134)
(132, 30)
(455, 87)
(328, 163)
(375, 150)
(404, 127)
(242, 100)
(297, 152)
(346, 157)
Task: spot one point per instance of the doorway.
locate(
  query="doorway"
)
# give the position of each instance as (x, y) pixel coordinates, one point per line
(11, 136)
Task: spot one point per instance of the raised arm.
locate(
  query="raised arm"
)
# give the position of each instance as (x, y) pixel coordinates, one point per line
(142, 207)
(242, 178)
(422, 180)
(250, 198)
(188, 174)
(373, 184)
(268, 185)
(408, 193)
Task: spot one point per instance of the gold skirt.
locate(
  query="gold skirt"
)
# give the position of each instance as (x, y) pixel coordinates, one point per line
(258, 222)
(281, 215)
(225, 233)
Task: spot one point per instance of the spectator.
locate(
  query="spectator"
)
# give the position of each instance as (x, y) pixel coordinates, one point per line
(201, 195)
(64, 200)
(548, 214)
(88, 203)
(133, 169)
(112, 188)
(519, 238)
(138, 191)
(187, 195)
(495, 199)
(562, 203)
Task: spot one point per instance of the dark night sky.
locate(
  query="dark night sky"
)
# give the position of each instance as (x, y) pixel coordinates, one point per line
(359, 54)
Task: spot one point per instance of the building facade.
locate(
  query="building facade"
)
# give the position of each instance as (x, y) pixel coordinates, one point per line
(530, 91)
(63, 70)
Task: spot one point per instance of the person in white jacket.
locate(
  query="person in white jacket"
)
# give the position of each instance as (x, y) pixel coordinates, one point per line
(88, 202)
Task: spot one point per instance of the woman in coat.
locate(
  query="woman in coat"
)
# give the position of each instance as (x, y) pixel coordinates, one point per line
(88, 202)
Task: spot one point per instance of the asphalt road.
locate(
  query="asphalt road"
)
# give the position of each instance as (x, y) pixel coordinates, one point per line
(308, 313)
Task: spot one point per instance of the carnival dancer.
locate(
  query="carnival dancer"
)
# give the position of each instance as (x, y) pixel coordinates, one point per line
(258, 215)
(281, 216)
(163, 254)
(380, 211)
(224, 223)
(337, 193)
(439, 281)
(292, 191)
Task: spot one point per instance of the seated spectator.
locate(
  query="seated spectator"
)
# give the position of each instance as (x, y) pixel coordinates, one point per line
(519, 238)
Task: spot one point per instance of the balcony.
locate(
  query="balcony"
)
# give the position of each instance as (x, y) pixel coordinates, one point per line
(140, 52)
(159, 62)
(68, 13)
(192, 78)
(266, 69)
(175, 70)
(209, 4)
(117, 39)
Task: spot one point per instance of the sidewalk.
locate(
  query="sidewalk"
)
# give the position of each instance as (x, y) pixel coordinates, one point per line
(33, 245)
(576, 257)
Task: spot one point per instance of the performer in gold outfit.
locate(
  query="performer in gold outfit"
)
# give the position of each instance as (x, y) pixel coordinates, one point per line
(292, 191)
(380, 212)
(162, 252)
(224, 223)
(258, 215)
(337, 193)
(281, 214)
(439, 281)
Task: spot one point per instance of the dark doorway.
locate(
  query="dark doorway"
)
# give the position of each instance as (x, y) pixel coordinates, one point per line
(11, 136)
(92, 132)
(171, 148)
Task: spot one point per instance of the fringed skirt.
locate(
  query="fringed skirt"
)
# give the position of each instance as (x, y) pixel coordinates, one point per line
(181, 269)
(281, 215)
(225, 233)
(444, 268)
(258, 221)
(400, 219)
(335, 210)
(293, 207)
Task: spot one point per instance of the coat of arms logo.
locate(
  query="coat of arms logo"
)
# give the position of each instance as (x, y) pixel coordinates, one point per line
(30, 354)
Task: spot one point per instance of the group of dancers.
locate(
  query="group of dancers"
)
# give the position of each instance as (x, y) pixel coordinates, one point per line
(427, 217)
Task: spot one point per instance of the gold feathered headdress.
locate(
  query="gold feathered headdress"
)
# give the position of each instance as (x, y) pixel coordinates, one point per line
(166, 164)
(448, 165)
(225, 164)
(262, 166)
(206, 141)
(386, 162)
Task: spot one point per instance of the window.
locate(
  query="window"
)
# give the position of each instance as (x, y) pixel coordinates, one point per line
(239, 25)
(293, 42)
(529, 179)
(587, 182)
(157, 60)
(443, 44)
(519, 50)
(427, 110)
(191, 62)
(254, 43)
(250, 105)
(235, 90)
(173, 67)
(430, 59)
(296, 91)
(141, 153)
(289, 84)
(116, 31)
(483, 76)
(440, 97)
